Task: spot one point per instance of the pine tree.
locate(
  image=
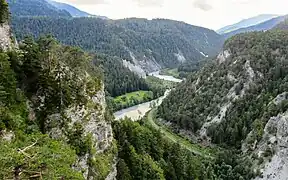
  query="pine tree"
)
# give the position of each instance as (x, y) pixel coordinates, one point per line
(4, 11)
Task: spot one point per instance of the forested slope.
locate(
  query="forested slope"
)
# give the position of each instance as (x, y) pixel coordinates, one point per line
(144, 153)
(43, 86)
(232, 94)
(239, 101)
(149, 44)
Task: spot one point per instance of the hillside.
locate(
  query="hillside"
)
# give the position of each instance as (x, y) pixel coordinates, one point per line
(238, 97)
(35, 8)
(71, 9)
(246, 23)
(75, 12)
(43, 87)
(264, 26)
(147, 44)
(282, 25)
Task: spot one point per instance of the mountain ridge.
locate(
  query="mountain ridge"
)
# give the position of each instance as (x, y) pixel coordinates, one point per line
(148, 44)
(75, 12)
(246, 23)
(266, 25)
(35, 8)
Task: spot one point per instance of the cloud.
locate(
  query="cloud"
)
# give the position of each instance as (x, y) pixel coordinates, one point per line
(202, 4)
(149, 3)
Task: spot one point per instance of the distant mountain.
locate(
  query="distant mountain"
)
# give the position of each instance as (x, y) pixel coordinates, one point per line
(35, 8)
(71, 9)
(246, 23)
(264, 26)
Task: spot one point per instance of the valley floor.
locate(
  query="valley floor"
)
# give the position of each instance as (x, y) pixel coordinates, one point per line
(194, 148)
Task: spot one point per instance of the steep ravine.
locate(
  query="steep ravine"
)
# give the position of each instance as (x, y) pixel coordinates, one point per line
(139, 111)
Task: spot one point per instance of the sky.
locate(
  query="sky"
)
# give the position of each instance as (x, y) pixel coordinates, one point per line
(212, 14)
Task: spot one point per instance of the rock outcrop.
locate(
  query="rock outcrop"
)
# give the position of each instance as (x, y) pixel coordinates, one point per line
(5, 37)
(95, 126)
(274, 148)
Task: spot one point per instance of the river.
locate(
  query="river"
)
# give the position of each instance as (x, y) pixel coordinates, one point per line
(137, 112)
(165, 77)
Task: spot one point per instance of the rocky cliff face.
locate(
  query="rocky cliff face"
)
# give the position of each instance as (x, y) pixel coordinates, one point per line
(5, 37)
(239, 99)
(97, 129)
(271, 152)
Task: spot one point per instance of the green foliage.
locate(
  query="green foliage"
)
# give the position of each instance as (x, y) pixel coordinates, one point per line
(188, 108)
(13, 110)
(81, 143)
(102, 162)
(52, 71)
(124, 172)
(118, 79)
(41, 79)
(4, 11)
(37, 156)
(186, 68)
(8, 81)
(193, 102)
(157, 39)
(131, 99)
(159, 86)
(145, 154)
(170, 72)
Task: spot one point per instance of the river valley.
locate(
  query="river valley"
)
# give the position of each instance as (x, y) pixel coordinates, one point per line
(139, 111)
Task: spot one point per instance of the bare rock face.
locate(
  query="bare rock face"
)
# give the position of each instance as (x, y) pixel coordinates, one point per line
(223, 56)
(5, 37)
(275, 139)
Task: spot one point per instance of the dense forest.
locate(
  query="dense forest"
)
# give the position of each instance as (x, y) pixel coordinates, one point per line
(118, 79)
(43, 78)
(149, 44)
(157, 41)
(145, 154)
(235, 89)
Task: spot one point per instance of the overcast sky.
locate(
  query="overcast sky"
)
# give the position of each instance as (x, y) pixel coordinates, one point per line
(212, 14)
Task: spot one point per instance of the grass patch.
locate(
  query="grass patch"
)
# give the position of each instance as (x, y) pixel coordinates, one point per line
(194, 148)
(156, 83)
(132, 99)
(170, 72)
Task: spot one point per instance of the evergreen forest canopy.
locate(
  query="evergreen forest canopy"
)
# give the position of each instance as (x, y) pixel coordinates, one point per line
(42, 68)
(159, 41)
(144, 153)
(246, 92)
(4, 11)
